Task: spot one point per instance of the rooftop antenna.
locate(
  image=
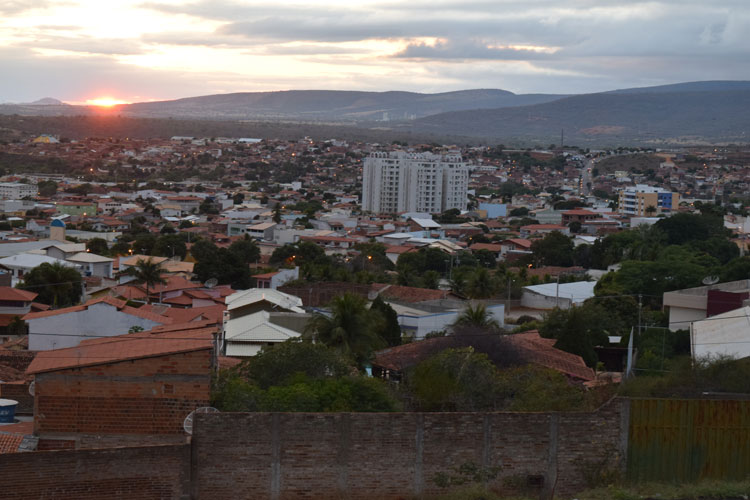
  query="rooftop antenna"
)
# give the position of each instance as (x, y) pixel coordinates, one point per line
(211, 282)
(710, 280)
(188, 423)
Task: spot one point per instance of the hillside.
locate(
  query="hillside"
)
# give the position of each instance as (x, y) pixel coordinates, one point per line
(608, 118)
(331, 105)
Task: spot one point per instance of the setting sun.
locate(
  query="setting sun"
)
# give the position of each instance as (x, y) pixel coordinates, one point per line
(105, 102)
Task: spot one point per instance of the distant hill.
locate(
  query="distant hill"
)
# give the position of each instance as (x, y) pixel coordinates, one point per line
(682, 113)
(612, 118)
(331, 105)
(47, 101)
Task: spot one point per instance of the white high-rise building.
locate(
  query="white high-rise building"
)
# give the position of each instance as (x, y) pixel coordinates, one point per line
(16, 190)
(414, 182)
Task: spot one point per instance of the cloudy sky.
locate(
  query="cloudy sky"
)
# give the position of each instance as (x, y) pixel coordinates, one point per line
(140, 50)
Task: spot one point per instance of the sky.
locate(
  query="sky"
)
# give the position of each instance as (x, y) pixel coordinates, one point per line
(145, 50)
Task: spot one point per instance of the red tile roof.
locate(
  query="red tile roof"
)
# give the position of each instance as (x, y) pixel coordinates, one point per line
(9, 442)
(492, 247)
(125, 347)
(9, 293)
(531, 348)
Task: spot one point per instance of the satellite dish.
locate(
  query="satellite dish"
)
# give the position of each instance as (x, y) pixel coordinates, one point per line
(188, 423)
(211, 282)
(710, 280)
(31, 387)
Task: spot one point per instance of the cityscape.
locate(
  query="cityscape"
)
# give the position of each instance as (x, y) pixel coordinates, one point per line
(400, 282)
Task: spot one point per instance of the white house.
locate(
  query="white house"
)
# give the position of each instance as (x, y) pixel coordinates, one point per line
(93, 264)
(21, 264)
(562, 295)
(726, 334)
(247, 326)
(105, 317)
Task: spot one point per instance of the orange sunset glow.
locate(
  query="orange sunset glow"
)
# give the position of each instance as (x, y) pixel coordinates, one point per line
(105, 102)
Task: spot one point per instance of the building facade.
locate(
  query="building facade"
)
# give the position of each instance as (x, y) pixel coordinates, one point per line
(414, 182)
(16, 191)
(637, 200)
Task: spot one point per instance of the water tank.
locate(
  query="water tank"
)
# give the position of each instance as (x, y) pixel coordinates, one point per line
(7, 410)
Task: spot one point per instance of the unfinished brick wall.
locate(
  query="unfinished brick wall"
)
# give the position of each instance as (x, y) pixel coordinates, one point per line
(397, 455)
(149, 396)
(154, 472)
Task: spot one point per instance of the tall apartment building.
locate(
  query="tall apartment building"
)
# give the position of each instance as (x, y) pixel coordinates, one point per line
(16, 190)
(636, 200)
(414, 182)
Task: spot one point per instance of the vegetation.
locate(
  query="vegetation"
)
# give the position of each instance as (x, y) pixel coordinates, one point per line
(148, 272)
(58, 285)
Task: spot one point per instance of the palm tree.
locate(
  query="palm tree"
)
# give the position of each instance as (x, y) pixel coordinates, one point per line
(351, 328)
(481, 284)
(477, 316)
(148, 272)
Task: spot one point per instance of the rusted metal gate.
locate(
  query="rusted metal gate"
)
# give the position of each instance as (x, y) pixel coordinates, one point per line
(686, 440)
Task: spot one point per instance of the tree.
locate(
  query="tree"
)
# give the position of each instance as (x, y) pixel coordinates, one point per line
(391, 332)
(98, 246)
(245, 250)
(277, 213)
(148, 272)
(144, 243)
(555, 249)
(478, 316)
(352, 329)
(170, 245)
(481, 284)
(47, 189)
(58, 285)
(278, 363)
(455, 380)
(431, 279)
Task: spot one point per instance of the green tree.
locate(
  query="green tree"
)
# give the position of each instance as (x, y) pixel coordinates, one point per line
(245, 250)
(170, 245)
(144, 243)
(352, 329)
(455, 380)
(481, 284)
(555, 249)
(277, 213)
(148, 272)
(98, 246)
(57, 284)
(278, 363)
(478, 316)
(391, 332)
(47, 189)
(431, 279)
(579, 329)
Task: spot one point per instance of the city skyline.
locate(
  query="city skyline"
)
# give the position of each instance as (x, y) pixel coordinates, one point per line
(130, 51)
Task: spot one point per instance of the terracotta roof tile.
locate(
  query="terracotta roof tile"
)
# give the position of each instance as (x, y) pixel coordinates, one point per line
(9, 442)
(9, 293)
(412, 294)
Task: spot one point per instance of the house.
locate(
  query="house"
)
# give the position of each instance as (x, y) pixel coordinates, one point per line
(92, 264)
(694, 304)
(15, 303)
(105, 317)
(261, 231)
(64, 250)
(725, 334)
(552, 295)
(417, 321)
(248, 322)
(542, 229)
(125, 390)
(19, 265)
(527, 347)
(276, 279)
(496, 249)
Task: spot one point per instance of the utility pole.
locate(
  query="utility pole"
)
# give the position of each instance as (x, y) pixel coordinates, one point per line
(557, 292)
(640, 306)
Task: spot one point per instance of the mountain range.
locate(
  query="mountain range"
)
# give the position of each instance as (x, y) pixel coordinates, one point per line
(692, 112)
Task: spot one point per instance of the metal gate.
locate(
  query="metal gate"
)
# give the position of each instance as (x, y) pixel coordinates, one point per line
(686, 440)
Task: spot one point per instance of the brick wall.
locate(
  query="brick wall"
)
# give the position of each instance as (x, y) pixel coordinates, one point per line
(154, 472)
(396, 455)
(149, 396)
(320, 294)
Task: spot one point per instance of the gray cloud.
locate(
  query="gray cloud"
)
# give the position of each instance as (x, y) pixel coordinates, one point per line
(469, 49)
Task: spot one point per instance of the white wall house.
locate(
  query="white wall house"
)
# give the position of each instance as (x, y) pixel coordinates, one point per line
(551, 295)
(97, 318)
